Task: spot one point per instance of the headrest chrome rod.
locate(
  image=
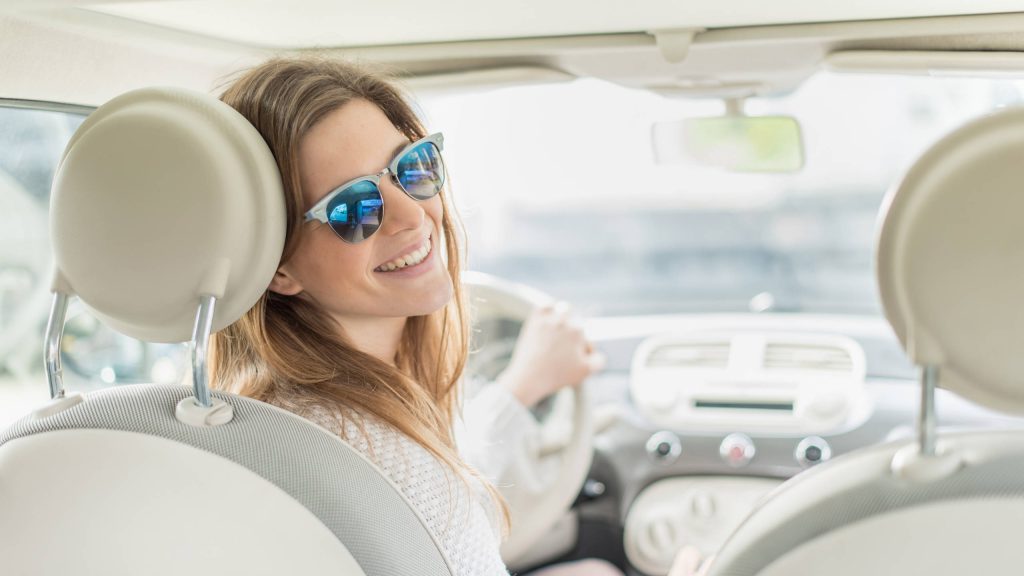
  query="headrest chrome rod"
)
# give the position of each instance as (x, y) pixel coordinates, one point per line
(199, 345)
(51, 349)
(926, 420)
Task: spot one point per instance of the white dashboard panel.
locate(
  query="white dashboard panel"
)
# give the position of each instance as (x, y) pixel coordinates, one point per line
(757, 382)
(699, 511)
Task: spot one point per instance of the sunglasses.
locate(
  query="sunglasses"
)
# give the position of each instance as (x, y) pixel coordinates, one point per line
(355, 209)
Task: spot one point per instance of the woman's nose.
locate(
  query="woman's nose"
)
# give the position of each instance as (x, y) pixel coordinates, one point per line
(400, 211)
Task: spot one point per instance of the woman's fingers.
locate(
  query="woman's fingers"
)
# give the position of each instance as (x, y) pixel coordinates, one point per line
(596, 362)
(561, 309)
(686, 562)
(551, 353)
(558, 309)
(593, 363)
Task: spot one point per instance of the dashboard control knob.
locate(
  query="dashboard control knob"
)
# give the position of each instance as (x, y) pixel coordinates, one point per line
(664, 447)
(663, 534)
(812, 450)
(702, 505)
(594, 488)
(737, 450)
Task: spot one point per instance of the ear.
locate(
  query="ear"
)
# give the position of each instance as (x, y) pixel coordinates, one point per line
(284, 283)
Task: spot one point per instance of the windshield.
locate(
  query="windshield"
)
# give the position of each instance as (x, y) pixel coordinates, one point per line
(558, 189)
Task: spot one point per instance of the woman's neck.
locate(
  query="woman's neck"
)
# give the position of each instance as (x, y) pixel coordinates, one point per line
(376, 336)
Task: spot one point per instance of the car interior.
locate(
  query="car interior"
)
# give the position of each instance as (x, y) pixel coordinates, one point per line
(792, 231)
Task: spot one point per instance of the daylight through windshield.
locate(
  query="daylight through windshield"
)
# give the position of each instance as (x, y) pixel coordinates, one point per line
(558, 188)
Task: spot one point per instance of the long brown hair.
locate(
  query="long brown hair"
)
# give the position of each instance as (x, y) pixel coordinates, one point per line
(285, 350)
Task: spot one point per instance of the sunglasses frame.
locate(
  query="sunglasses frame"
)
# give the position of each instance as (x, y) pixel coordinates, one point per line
(319, 210)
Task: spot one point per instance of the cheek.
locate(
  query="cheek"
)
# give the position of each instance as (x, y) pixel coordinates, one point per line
(324, 263)
(434, 208)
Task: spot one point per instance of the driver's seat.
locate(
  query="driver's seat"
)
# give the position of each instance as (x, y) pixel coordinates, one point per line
(168, 221)
(951, 276)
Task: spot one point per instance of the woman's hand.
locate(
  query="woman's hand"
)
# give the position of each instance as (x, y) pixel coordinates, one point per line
(688, 563)
(551, 353)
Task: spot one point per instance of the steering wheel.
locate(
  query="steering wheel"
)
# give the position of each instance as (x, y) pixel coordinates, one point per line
(498, 309)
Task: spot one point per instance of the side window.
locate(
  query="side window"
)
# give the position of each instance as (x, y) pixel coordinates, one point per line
(93, 356)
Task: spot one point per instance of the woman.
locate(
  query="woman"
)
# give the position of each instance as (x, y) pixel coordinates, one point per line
(363, 328)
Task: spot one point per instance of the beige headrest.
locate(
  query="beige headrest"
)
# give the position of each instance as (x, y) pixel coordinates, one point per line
(164, 195)
(951, 260)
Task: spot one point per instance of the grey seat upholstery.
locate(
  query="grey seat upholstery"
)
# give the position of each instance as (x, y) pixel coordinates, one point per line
(149, 223)
(333, 482)
(950, 255)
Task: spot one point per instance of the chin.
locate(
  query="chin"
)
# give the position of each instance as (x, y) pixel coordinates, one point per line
(432, 302)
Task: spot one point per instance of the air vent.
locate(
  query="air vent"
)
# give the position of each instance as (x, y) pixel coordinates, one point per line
(796, 356)
(690, 355)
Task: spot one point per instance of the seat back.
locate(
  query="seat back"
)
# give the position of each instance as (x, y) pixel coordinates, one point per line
(950, 273)
(167, 219)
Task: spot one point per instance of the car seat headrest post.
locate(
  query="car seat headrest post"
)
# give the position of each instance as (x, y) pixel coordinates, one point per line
(928, 461)
(54, 335)
(926, 419)
(199, 345)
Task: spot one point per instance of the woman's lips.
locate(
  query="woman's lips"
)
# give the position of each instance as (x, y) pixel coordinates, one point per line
(414, 257)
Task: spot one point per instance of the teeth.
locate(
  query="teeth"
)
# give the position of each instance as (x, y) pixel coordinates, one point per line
(407, 260)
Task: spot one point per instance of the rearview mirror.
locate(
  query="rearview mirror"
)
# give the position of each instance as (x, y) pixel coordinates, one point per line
(735, 143)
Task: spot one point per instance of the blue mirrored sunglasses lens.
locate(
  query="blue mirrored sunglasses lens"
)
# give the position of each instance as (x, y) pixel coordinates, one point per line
(356, 212)
(421, 171)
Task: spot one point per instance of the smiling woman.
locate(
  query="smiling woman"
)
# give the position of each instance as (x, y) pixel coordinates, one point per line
(363, 328)
(330, 338)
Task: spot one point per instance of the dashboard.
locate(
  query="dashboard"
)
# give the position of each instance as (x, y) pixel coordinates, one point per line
(699, 417)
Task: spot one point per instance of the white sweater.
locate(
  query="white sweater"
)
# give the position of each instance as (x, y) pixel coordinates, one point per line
(496, 437)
